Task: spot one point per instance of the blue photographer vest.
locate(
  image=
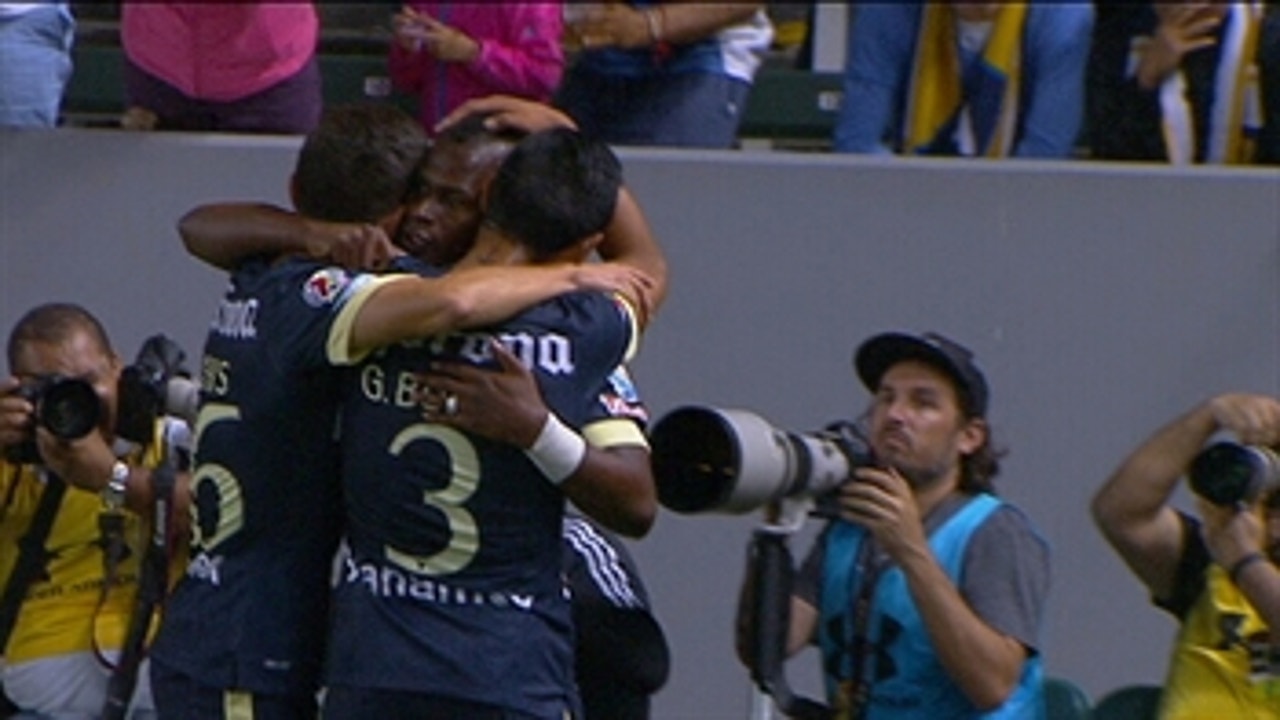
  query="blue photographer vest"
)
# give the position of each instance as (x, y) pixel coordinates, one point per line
(906, 680)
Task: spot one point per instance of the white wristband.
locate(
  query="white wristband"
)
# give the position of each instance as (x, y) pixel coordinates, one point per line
(558, 451)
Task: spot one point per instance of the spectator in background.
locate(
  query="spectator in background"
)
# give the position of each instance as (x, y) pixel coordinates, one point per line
(237, 67)
(1269, 77)
(1175, 82)
(35, 61)
(663, 73)
(446, 53)
(993, 79)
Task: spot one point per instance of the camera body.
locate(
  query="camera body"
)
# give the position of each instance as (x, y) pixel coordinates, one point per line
(1230, 474)
(708, 459)
(65, 406)
(155, 384)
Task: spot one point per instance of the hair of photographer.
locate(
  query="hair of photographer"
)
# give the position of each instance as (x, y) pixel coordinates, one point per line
(78, 612)
(914, 548)
(1210, 571)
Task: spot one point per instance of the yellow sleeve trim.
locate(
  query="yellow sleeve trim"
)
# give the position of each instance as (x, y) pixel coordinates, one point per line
(614, 432)
(339, 345)
(633, 321)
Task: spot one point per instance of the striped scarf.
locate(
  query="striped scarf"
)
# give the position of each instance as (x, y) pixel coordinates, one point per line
(1236, 114)
(950, 111)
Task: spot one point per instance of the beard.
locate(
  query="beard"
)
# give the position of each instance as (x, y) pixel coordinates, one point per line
(920, 478)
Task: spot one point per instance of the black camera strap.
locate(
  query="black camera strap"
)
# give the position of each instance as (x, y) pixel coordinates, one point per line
(33, 556)
(869, 567)
(153, 580)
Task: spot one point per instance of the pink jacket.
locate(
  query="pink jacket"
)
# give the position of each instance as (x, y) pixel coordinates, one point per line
(219, 51)
(520, 54)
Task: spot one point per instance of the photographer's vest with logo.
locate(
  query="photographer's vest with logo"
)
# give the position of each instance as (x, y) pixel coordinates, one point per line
(904, 677)
(1224, 664)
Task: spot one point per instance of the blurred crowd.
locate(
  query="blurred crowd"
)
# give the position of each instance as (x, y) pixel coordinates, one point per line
(1176, 82)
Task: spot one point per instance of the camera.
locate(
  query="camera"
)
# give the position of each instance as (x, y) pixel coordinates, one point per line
(708, 459)
(65, 406)
(1230, 474)
(157, 383)
(154, 385)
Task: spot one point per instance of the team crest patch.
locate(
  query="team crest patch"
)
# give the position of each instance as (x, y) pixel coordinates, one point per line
(324, 286)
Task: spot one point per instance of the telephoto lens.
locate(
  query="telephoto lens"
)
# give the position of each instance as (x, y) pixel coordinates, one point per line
(1229, 474)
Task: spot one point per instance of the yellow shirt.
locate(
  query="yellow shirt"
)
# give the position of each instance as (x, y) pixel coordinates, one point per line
(61, 612)
(1224, 665)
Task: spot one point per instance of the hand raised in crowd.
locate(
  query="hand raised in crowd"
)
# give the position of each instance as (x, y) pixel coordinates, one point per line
(506, 112)
(417, 32)
(1254, 419)
(600, 25)
(1182, 28)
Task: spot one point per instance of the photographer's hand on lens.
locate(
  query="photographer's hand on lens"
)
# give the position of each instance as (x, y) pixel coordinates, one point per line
(1229, 533)
(1253, 419)
(83, 462)
(882, 502)
(16, 414)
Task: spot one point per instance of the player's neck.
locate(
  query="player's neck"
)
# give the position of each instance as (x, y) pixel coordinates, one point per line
(492, 247)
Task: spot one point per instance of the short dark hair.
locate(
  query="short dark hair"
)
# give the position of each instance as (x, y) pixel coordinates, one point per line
(554, 189)
(356, 165)
(53, 323)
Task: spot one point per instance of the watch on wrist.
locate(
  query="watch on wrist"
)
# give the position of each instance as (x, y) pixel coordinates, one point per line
(113, 493)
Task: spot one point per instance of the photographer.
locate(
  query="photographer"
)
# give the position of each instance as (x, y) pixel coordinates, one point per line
(926, 593)
(1216, 573)
(72, 527)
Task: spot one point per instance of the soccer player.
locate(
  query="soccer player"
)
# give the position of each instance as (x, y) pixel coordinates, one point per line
(451, 602)
(243, 631)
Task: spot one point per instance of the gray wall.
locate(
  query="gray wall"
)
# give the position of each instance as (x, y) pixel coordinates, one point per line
(1102, 300)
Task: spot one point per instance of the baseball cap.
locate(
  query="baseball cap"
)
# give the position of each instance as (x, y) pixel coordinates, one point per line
(876, 355)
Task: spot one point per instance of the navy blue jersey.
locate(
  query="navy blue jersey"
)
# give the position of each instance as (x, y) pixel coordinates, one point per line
(453, 586)
(251, 609)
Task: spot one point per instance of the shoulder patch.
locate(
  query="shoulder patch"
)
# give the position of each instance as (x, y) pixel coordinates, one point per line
(324, 286)
(620, 398)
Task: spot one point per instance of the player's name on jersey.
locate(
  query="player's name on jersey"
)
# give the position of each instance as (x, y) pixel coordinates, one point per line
(390, 582)
(550, 352)
(236, 319)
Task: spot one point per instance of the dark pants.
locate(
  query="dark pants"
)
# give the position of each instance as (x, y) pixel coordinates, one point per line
(179, 697)
(291, 106)
(685, 110)
(343, 703)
